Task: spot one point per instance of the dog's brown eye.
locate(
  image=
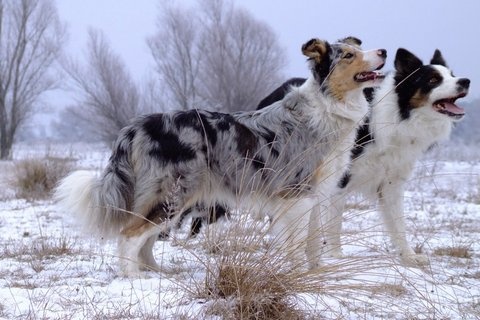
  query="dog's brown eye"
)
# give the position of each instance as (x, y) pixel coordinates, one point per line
(434, 80)
(348, 55)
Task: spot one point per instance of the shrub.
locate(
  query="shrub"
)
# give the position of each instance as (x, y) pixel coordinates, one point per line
(249, 277)
(460, 251)
(36, 178)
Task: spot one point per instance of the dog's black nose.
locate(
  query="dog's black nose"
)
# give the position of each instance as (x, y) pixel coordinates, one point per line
(464, 82)
(382, 53)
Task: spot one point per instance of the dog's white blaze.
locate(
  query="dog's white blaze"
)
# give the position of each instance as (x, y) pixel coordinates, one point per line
(372, 57)
(448, 87)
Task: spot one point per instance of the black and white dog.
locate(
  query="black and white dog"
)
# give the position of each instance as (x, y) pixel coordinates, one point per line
(413, 109)
(271, 159)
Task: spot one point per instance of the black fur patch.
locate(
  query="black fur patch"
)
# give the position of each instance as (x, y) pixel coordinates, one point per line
(121, 147)
(188, 118)
(246, 140)
(345, 180)
(183, 215)
(279, 93)
(269, 137)
(167, 147)
(208, 130)
(118, 159)
(224, 121)
(322, 69)
(363, 138)
(198, 121)
(215, 213)
(438, 59)
(267, 134)
(258, 163)
(369, 94)
(160, 212)
(130, 134)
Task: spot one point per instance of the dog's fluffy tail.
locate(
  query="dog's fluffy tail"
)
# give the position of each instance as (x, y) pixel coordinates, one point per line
(102, 204)
(97, 205)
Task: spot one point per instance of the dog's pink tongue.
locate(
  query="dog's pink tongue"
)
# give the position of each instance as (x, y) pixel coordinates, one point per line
(453, 108)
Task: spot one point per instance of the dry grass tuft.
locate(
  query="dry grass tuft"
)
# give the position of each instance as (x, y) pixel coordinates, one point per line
(258, 292)
(249, 277)
(245, 278)
(460, 251)
(38, 250)
(36, 178)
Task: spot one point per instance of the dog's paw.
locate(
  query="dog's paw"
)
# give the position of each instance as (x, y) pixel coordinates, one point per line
(414, 260)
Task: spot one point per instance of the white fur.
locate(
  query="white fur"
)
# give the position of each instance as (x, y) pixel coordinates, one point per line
(74, 193)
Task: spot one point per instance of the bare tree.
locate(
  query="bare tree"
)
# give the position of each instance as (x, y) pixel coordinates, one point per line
(108, 98)
(175, 51)
(216, 56)
(31, 39)
(244, 60)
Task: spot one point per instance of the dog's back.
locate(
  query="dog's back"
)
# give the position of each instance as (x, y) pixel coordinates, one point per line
(279, 93)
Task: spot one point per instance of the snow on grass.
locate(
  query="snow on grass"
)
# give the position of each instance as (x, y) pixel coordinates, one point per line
(51, 269)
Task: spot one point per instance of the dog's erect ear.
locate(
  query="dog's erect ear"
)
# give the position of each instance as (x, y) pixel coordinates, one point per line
(438, 59)
(406, 62)
(353, 41)
(315, 49)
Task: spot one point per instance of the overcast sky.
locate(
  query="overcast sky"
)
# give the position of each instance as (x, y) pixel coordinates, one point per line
(420, 26)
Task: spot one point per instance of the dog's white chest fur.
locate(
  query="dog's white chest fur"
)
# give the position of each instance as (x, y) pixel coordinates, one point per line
(340, 120)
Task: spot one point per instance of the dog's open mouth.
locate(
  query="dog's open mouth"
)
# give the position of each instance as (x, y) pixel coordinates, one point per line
(448, 107)
(369, 75)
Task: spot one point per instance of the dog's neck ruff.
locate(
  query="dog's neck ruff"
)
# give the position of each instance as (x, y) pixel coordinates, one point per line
(354, 107)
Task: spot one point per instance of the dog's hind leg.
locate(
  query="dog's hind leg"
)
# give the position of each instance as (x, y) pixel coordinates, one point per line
(146, 259)
(135, 248)
(128, 256)
(137, 238)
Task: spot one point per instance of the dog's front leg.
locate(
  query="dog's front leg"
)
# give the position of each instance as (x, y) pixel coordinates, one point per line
(391, 207)
(332, 222)
(315, 232)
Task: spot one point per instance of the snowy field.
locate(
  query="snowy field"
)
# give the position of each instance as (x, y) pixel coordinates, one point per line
(50, 269)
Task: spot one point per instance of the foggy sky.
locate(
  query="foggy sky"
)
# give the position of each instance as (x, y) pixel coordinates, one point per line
(420, 26)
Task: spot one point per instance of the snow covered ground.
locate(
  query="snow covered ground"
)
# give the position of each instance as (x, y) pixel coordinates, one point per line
(51, 269)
